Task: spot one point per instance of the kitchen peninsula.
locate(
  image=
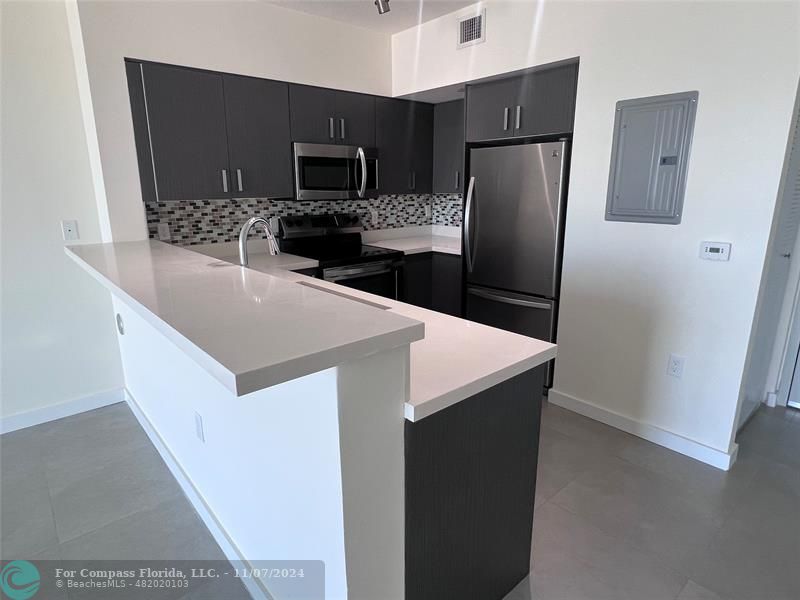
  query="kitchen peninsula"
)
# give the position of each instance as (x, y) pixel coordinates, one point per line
(306, 420)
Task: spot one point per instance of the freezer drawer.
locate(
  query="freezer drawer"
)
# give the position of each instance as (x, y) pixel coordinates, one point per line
(526, 315)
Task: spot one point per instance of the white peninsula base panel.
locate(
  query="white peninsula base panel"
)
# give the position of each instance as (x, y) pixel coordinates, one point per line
(310, 469)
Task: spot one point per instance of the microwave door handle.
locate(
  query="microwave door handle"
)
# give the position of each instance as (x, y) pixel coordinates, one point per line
(363, 160)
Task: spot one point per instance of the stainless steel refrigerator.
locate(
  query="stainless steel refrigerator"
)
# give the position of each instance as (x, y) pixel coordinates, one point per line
(513, 232)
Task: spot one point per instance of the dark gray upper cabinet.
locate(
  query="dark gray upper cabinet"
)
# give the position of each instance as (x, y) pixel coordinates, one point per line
(313, 115)
(324, 116)
(394, 139)
(422, 148)
(355, 119)
(259, 144)
(546, 101)
(537, 103)
(186, 116)
(448, 147)
(489, 109)
(404, 137)
(133, 72)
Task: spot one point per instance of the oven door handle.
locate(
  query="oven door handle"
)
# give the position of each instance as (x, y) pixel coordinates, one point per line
(363, 159)
(337, 273)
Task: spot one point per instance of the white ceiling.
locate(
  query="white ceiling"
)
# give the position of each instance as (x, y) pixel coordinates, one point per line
(362, 13)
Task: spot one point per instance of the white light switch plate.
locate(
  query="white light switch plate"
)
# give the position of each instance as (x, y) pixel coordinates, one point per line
(373, 215)
(69, 230)
(715, 250)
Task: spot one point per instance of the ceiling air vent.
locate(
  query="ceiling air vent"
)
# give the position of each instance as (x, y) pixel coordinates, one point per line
(472, 30)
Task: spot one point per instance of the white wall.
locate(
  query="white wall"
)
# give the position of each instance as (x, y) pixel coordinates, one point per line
(633, 293)
(251, 38)
(58, 341)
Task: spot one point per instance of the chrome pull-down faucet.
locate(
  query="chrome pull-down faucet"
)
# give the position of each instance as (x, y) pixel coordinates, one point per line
(255, 221)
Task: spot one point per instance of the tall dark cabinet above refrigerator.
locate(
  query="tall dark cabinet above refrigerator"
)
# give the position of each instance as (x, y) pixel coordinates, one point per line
(513, 237)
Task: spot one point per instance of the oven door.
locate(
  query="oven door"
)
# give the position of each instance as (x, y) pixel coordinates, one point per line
(379, 278)
(328, 172)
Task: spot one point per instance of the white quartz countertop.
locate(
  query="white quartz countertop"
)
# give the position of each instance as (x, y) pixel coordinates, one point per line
(424, 243)
(249, 329)
(456, 359)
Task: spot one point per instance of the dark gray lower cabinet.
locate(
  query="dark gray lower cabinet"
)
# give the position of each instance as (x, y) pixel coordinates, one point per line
(417, 278)
(446, 284)
(470, 485)
(259, 143)
(186, 114)
(433, 280)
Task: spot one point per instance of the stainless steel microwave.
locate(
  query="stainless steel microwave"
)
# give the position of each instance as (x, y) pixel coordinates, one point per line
(330, 172)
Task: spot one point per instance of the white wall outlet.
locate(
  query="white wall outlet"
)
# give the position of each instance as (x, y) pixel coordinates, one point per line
(373, 216)
(675, 365)
(715, 250)
(163, 232)
(427, 211)
(198, 427)
(69, 230)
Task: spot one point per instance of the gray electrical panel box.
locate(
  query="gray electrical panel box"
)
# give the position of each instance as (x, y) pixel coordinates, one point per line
(649, 158)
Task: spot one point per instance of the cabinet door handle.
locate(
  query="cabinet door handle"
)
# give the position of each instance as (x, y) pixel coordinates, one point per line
(458, 179)
(413, 181)
(225, 180)
(331, 134)
(341, 128)
(239, 179)
(505, 119)
(519, 116)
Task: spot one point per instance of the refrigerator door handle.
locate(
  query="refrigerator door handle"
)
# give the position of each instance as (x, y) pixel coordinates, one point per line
(467, 220)
(508, 300)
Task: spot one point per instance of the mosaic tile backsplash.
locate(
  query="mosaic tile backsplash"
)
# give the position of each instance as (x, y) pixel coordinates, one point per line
(194, 222)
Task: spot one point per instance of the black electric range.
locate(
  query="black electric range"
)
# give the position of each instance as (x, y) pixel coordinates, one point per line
(335, 241)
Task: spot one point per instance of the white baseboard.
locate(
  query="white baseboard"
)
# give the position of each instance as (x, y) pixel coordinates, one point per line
(226, 544)
(59, 411)
(662, 437)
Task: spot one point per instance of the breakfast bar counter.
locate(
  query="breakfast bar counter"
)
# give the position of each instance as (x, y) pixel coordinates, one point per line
(305, 419)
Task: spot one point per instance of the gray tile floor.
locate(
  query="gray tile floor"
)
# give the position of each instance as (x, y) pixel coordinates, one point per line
(617, 518)
(92, 487)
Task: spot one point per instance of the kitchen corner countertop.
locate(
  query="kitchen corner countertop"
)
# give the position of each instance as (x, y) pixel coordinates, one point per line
(456, 359)
(418, 244)
(249, 329)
